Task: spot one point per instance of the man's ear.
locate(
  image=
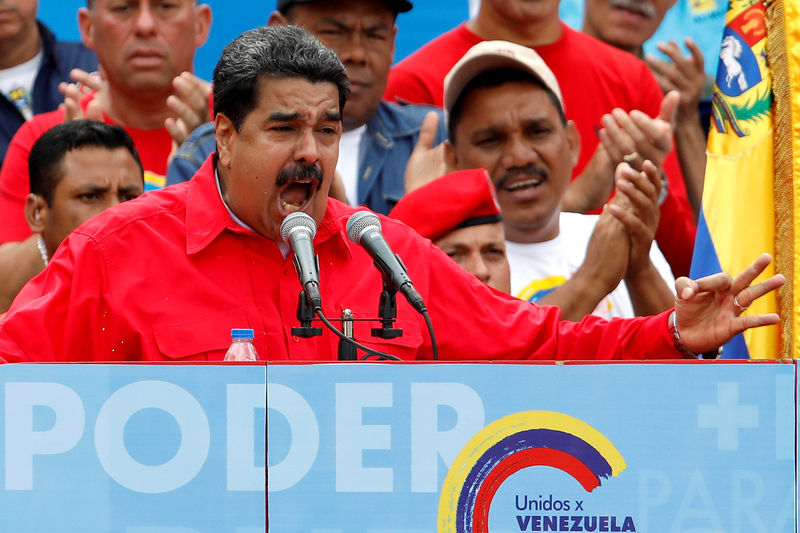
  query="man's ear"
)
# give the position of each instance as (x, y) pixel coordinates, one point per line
(36, 212)
(276, 18)
(226, 138)
(86, 26)
(202, 25)
(574, 140)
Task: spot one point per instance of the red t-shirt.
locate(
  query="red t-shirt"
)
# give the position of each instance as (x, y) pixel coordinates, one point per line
(153, 147)
(594, 78)
(194, 274)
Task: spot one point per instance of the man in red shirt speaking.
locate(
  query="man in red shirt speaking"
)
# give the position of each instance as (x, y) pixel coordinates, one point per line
(278, 98)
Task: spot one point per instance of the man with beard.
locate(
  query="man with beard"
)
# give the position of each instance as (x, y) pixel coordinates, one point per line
(278, 99)
(505, 114)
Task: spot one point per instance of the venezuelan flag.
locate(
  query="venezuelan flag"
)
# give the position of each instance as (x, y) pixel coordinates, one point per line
(737, 222)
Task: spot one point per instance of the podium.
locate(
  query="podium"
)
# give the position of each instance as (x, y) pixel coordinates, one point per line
(388, 447)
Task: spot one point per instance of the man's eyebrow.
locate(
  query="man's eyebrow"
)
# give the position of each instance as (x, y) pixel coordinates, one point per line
(90, 187)
(334, 22)
(378, 25)
(536, 121)
(284, 116)
(129, 188)
(488, 130)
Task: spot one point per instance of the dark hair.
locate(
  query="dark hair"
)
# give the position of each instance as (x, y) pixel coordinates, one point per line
(491, 79)
(47, 153)
(272, 52)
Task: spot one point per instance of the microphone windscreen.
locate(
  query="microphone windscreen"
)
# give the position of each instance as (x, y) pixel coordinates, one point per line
(296, 220)
(358, 222)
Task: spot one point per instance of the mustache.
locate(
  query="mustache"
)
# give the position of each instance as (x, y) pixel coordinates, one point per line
(298, 172)
(644, 8)
(528, 170)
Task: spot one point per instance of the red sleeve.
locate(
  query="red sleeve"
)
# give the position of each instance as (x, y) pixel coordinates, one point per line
(407, 85)
(473, 321)
(14, 182)
(63, 314)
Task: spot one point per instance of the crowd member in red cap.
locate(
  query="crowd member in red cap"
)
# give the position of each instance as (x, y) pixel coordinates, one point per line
(504, 111)
(467, 227)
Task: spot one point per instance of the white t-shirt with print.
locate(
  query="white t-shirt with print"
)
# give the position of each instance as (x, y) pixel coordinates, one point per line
(16, 84)
(538, 268)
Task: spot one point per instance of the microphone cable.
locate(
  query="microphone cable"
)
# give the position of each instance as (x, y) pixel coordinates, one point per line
(434, 347)
(375, 353)
(370, 352)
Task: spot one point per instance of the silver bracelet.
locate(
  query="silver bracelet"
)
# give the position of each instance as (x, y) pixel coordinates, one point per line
(677, 342)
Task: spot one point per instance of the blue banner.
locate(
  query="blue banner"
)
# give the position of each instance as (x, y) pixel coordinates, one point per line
(385, 448)
(132, 449)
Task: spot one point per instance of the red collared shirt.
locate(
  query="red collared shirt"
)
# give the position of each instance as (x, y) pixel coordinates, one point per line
(166, 277)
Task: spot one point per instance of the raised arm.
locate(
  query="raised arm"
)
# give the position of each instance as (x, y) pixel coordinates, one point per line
(635, 205)
(708, 311)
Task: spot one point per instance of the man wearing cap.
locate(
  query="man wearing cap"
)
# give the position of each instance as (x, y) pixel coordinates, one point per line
(603, 88)
(278, 99)
(504, 113)
(378, 137)
(467, 227)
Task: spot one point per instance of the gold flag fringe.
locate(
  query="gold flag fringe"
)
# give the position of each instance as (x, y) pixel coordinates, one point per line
(786, 188)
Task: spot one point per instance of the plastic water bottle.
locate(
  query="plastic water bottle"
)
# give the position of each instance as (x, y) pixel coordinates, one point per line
(242, 348)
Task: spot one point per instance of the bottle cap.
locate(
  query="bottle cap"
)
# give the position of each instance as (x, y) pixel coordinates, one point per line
(242, 333)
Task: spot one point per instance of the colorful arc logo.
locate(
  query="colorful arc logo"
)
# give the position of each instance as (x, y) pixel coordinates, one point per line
(530, 438)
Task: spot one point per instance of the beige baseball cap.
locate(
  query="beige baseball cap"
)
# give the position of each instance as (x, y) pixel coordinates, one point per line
(494, 55)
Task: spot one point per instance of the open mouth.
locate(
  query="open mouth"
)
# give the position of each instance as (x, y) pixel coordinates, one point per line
(522, 178)
(524, 184)
(296, 195)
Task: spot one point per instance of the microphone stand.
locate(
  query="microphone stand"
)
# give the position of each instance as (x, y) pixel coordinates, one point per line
(347, 351)
(305, 314)
(387, 311)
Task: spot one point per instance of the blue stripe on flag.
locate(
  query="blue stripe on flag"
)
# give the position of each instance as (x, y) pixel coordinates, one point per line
(704, 263)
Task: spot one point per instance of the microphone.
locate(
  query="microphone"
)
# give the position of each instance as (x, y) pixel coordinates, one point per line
(298, 230)
(364, 228)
